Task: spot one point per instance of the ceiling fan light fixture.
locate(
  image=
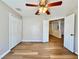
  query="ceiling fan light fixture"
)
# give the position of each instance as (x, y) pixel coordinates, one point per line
(43, 9)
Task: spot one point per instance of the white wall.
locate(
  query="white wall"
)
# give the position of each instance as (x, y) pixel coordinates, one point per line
(33, 29)
(4, 27)
(45, 30)
(4, 30)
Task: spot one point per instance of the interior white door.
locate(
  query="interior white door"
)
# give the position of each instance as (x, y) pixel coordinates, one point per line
(69, 32)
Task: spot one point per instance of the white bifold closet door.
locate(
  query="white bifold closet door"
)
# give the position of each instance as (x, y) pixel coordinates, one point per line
(15, 31)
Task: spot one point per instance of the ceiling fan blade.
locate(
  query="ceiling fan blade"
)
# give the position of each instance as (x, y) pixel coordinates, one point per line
(47, 12)
(37, 12)
(55, 4)
(32, 5)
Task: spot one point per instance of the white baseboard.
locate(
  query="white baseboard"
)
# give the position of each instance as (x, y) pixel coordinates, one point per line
(4, 54)
(45, 41)
(76, 53)
(32, 41)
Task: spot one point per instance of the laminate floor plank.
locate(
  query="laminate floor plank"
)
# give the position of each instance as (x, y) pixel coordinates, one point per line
(52, 50)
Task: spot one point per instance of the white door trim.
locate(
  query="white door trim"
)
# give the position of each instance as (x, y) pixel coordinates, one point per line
(46, 28)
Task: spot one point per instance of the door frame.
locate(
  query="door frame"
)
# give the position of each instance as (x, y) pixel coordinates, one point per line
(46, 28)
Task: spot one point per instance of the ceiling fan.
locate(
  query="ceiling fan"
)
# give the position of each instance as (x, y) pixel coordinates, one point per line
(43, 6)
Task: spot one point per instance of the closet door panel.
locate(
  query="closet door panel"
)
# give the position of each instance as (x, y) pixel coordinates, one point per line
(15, 31)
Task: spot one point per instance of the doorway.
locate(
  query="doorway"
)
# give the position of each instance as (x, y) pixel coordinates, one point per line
(56, 29)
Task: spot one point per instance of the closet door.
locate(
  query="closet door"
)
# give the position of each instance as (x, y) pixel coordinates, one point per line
(10, 31)
(19, 30)
(15, 31)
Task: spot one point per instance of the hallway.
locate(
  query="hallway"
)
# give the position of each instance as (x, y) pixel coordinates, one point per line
(52, 50)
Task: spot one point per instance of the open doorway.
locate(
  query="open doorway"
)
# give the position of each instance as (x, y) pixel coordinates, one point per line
(56, 31)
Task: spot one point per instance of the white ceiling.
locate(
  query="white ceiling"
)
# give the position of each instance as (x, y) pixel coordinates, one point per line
(67, 6)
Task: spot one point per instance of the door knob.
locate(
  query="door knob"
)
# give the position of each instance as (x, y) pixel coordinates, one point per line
(72, 34)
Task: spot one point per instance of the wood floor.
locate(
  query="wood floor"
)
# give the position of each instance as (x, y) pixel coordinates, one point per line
(52, 50)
